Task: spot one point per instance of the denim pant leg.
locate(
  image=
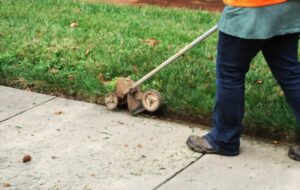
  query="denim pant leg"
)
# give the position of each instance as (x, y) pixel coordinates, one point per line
(281, 53)
(233, 59)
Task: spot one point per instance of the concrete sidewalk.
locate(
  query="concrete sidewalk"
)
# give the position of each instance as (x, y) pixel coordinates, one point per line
(77, 145)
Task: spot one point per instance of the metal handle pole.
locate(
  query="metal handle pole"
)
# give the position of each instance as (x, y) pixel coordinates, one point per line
(174, 57)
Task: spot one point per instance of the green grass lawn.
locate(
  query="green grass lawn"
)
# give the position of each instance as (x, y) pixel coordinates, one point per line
(41, 51)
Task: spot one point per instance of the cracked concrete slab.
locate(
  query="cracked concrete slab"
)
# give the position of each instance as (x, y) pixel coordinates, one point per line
(13, 101)
(260, 166)
(77, 145)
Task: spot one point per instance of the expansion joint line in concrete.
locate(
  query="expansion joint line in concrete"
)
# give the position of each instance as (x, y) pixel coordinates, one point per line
(176, 173)
(27, 109)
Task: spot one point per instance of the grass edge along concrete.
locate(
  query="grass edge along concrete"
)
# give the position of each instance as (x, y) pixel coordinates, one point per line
(80, 49)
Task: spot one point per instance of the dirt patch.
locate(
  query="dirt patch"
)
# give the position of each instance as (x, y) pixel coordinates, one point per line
(211, 5)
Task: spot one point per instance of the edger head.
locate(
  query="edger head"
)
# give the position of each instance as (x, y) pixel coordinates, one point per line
(136, 100)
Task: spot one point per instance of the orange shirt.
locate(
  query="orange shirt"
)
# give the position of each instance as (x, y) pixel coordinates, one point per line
(252, 3)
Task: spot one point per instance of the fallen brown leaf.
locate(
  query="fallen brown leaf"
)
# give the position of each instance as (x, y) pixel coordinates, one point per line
(87, 52)
(140, 146)
(259, 82)
(151, 42)
(74, 24)
(102, 79)
(211, 58)
(275, 142)
(6, 184)
(58, 113)
(135, 69)
(71, 77)
(26, 158)
(54, 70)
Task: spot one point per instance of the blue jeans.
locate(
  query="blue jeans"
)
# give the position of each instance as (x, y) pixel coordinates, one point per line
(233, 60)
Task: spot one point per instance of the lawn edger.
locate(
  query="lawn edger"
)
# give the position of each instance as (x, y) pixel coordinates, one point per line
(128, 91)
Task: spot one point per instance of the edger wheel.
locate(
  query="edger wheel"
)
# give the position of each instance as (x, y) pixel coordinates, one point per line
(151, 100)
(111, 101)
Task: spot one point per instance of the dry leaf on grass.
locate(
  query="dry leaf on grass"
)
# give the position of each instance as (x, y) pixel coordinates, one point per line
(259, 82)
(71, 77)
(151, 42)
(102, 79)
(135, 69)
(87, 52)
(74, 24)
(54, 70)
(211, 58)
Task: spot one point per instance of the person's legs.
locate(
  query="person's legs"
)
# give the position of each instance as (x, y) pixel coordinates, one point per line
(233, 59)
(281, 53)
